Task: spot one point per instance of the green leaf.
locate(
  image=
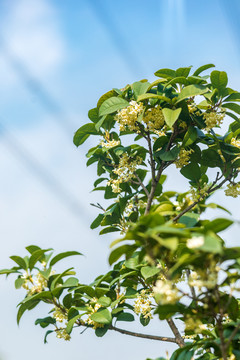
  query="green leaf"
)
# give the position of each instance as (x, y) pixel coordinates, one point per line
(45, 321)
(171, 115)
(35, 257)
(108, 229)
(19, 282)
(71, 323)
(97, 221)
(218, 225)
(63, 255)
(101, 331)
(189, 219)
(104, 301)
(190, 136)
(117, 253)
(46, 335)
(232, 106)
(211, 244)
(102, 316)
(233, 97)
(32, 248)
(219, 80)
(112, 104)
(153, 96)
(165, 73)
(20, 261)
(191, 171)
(106, 96)
(140, 87)
(83, 133)
(183, 71)
(70, 282)
(93, 115)
(203, 68)
(124, 316)
(190, 91)
(144, 321)
(149, 271)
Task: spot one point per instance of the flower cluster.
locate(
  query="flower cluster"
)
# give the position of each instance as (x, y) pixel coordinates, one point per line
(125, 171)
(59, 315)
(128, 117)
(143, 304)
(165, 292)
(213, 118)
(194, 324)
(204, 279)
(108, 144)
(62, 334)
(232, 190)
(235, 142)
(183, 158)
(32, 285)
(92, 310)
(200, 193)
(154, 118)
(195, 242)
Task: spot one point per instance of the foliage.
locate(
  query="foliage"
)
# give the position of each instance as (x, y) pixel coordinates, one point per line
(171, 262)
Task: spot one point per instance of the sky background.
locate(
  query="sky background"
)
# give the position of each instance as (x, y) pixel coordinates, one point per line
(56, 59)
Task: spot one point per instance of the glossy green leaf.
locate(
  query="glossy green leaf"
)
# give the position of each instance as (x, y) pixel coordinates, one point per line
(232, 106)
(191, 91)
(190, 136)
(124, 316)
(203, 68)
(97, 221)
(20, 261)
(102, 316)
(153, 96)
(149, 271)
(112, 105)
(165, 73)
(63, 255)
(171, 116)
(219, 79)
(104, 301)
(140, 87)
(83, 133)
(191, 171)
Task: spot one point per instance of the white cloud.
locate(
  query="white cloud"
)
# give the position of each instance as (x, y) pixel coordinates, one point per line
(32, 35)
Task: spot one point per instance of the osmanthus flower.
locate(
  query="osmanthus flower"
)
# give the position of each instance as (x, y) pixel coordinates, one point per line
(61, 333)
(194, 324)
(128, 117)
(92, 310)
(143, 304)
(59, 315)
(232, 190)
(195, 242)
(235, 142)
(213, 118)
(200, 193)
(183, 158)
(125, 171)
(153, 118)
(165, 292)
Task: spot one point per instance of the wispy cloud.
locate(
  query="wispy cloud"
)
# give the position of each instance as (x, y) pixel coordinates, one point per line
(32, 34)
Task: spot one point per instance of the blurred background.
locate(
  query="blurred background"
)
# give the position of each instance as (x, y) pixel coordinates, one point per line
(56, 59)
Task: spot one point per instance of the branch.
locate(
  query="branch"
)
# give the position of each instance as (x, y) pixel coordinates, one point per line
(141, 184)
(144, 336)
(178, 338)
(208, 192)
(152, 162)
(232, 336)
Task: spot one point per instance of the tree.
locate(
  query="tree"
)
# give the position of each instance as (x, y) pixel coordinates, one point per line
(170, 261)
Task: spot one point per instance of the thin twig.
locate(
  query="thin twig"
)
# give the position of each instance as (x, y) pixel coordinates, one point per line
(141, 184)
(152, 162)
(144, 336)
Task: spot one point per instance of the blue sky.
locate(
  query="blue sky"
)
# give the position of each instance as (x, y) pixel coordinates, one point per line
(56, 59)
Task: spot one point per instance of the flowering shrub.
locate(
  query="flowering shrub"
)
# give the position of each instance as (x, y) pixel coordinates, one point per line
(171, 261)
